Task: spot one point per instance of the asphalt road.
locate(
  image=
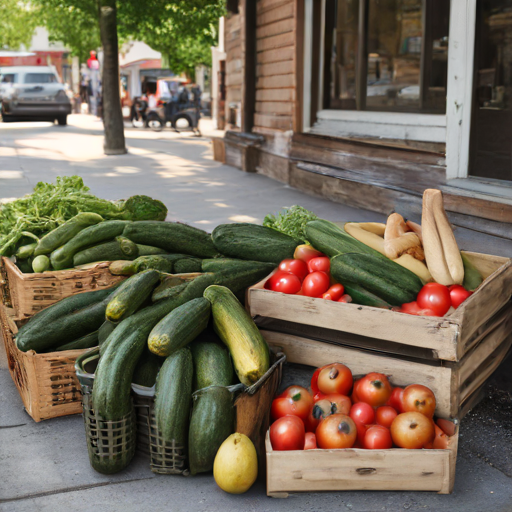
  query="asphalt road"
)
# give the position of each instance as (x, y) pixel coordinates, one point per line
(44, 466)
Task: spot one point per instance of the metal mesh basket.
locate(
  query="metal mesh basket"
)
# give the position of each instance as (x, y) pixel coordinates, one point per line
(111, 444)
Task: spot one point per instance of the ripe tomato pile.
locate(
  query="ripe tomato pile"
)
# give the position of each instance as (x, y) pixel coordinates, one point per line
(338, 412)
(308, 273)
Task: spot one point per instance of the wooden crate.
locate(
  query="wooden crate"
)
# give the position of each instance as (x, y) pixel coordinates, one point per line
(27, 294)
(357, 469)
(47, 383)
(450, 338)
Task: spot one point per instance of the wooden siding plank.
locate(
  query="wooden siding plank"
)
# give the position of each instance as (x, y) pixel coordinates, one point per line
(275, 68)
(274, 107)
(267, 5)
(233, 79)
(278, 13)
(271, 121)
(275, 94)
(270, 43)
(279, 55)
(273, 29)
(275, 82)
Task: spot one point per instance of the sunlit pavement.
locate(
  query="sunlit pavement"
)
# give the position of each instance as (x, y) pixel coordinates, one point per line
(44, 466)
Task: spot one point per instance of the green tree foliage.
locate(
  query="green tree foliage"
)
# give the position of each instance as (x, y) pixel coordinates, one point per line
(18, 21)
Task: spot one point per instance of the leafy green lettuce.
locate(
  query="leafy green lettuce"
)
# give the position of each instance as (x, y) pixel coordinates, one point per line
(291, 221)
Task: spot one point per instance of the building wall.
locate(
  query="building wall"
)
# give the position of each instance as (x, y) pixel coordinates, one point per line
(234, 68)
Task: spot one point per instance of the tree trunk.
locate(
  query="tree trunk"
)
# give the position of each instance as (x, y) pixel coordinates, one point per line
(112, 112)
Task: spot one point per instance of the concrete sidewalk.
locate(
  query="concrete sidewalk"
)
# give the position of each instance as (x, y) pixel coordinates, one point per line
(45, 467)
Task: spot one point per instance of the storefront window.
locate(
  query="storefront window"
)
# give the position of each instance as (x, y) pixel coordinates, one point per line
(491, 124)
(386, 55)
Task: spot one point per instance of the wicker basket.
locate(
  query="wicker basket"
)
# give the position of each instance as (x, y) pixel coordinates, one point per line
(110, 444)
(27, 294)
(47, 383)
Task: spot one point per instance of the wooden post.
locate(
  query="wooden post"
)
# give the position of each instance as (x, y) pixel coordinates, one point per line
(249, 74)
(112, 112)
(362, 55)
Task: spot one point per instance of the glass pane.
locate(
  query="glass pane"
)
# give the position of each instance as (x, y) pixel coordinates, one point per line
(491, 126)
(39, 78)
(342, 19)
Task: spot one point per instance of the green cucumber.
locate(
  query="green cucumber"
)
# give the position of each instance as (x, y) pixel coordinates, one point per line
(129, 248)
(108, 251)
(88, 341)
(472, 277)
(187, 265)
(46, 318)
(252, 242)
(174, 237)
(104, 331)
(172, 401)
(162, 262)
(41, 263)
(212, 421)
(179, 327)
(148, 250)
(65, 232)
(68, 327)
(130, 296)
(147, 369)
(119, 355)
(62, 257)
(382, 277)
(25, 266)
(364, 297)
(25, 251)
(330, 239)
(236, 328)
(234, 265)
(212, 364)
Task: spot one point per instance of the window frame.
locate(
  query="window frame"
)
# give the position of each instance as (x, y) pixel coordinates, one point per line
(451, 128)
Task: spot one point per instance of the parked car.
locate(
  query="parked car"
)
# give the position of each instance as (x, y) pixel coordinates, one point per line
(30, 93)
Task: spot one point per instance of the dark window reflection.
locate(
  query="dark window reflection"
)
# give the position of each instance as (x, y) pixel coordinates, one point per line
(491, 128)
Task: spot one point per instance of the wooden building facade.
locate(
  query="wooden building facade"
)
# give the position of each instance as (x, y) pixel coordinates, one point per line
(368, 102)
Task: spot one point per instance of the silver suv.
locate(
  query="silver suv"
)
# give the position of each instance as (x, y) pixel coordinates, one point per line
(29, 93)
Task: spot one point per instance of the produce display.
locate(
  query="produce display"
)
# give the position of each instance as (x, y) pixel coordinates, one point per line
(369, 413)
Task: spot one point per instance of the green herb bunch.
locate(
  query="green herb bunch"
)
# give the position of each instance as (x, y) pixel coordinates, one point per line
(291, 221)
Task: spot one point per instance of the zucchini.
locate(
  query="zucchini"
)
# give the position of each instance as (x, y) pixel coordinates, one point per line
(187, 265)
(380, 276)
(179, 327)
(41, 263)
(236, 328)
(191, 290)
(148, 250)
(128, 247)
(252, 242)
(147, 369)
(107, 251)
(174, 237)
(104, 331)
(364, 297)
(212, 421)
(65, 232)
(130, 296)
(119, 355)
(45, 319)
(88, 341)
(71, 326)
(234, 265)
(330, 239)
(62, 257)
(472, 277)
(25, 251)
(162, 262)
(172, 401)
(212, 364)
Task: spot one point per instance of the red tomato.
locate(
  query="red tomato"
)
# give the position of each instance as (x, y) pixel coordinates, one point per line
(306, 252)
(345, 298)
(341, 402)
(336, 431)
(363, 413)
(361, 432)
(412, 308)
(412, 430)
(284, 282)
(374, 389)
(321, 264)
(315, 284)
(287, 433)
(310, 441)
(295, 400)
(458, 294)
(418, 398)
(447, 426)
(396, 399)
(441, 440)
(385, 415)
(335, 378)
(334, 292)
(297, 267)
(377, 437)
(319, 412)
(436, 297)
(355, 397)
